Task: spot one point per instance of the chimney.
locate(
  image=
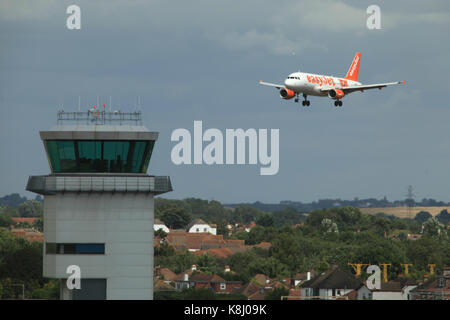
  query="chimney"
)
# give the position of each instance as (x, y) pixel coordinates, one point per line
(308, 276)
(227, 269)
(194, 267)
(186, 277)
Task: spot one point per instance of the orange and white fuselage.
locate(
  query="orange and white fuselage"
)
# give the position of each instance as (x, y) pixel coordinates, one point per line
(310, 84)
(313, 84)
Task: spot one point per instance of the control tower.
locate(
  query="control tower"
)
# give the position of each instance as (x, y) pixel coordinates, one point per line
(99, 204)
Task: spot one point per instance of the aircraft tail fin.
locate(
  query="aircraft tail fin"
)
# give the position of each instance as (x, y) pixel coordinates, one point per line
(352, 73)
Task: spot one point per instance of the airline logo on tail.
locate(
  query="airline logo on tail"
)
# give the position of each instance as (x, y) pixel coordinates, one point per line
(352, 73)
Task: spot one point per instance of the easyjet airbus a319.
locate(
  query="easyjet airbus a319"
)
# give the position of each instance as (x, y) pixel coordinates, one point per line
(325, 86)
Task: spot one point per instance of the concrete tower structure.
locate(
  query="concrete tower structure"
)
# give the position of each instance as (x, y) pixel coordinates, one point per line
(99, 206)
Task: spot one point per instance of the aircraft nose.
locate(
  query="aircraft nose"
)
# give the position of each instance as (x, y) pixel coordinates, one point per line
(288, 83)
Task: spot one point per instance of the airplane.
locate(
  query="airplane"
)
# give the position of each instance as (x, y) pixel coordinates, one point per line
(325, 86)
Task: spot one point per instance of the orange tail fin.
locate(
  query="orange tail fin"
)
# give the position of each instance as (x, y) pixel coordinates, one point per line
(352, 73)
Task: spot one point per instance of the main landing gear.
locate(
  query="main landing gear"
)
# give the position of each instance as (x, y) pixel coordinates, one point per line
(338, 103)
(305, 102)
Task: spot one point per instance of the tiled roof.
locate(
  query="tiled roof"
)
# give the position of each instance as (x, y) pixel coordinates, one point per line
(391, 286)
(250, 288)
(28, 220)
(29, 234)
(218, 252)
(432, 286)
(202, 277)
(258, 295)
(168, 274)
(160, 285)
(261, 279)
(334, 278)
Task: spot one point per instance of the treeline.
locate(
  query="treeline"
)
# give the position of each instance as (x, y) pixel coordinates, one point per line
(26, 209)
(335, 203)
(21, 269)
(177, 214)
(341, 235)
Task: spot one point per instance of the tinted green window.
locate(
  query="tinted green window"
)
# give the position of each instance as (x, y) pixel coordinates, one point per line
(99, 156)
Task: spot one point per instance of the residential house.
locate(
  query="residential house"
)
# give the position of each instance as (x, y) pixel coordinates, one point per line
(394, 290)
(436, 288)
(30, 234)
(161, 285)
(333, 284)
(198, 225)
(207, 281)
(158, 224)
(18, 220)
(299, 278)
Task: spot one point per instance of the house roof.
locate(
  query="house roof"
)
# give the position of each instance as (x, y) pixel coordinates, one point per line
(194, 222)
(261, 279)
(20, 219)
(391, 286)
(168, 274)
(202, 277)
(334, 278)
(258, 295)
(304, 275)
(160, 285)
(432, 286)
(218, 252)
(250, 288)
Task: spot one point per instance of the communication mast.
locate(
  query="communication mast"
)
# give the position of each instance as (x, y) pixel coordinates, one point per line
(410, 201)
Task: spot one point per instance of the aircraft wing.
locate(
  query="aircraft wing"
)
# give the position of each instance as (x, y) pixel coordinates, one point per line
(363, 87)
(278, 86)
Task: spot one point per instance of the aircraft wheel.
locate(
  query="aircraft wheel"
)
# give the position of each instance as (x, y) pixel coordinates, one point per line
(303, 103)
(340, 103)
(336, 103)
(308, 103)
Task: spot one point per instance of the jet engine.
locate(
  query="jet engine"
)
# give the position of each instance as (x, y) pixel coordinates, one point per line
(336, 94)
(286, 94)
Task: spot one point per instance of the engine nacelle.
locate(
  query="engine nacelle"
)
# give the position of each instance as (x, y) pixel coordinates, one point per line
(287, 94)
(336, 94)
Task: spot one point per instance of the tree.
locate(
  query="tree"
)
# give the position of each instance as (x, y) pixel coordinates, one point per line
(31, 208)
(160, 233)
(265, 220)
(5, 220)
(444, 217)
(434, 229)
(422, 216)
(39, 225)
(175, 218)
(198, 294)
(24, 264)
(276, 294)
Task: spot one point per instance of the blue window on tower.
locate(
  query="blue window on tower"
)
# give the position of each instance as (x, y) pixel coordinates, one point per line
(75, 248)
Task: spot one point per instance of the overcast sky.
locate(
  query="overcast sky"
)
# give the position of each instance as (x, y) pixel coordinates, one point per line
(202, 60)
